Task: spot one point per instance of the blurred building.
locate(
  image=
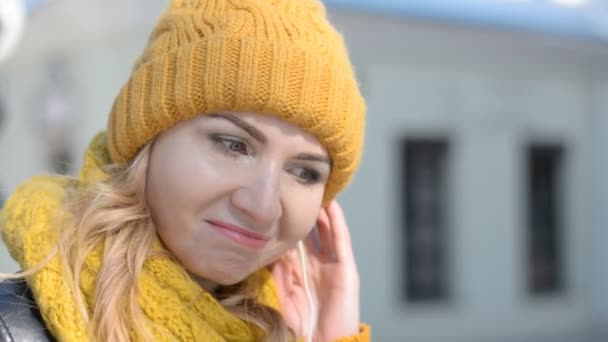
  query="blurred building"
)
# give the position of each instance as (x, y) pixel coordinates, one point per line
(478, 212)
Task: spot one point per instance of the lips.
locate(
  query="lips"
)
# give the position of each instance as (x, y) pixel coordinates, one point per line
(240, 235)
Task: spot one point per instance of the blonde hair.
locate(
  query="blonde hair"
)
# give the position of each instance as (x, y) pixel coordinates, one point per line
(114, 212)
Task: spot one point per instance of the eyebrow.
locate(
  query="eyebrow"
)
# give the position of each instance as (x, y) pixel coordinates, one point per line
(314, 157)
(254, 132)
(259, 136)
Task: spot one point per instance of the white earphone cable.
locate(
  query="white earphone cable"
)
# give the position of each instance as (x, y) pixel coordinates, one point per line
(311, 304)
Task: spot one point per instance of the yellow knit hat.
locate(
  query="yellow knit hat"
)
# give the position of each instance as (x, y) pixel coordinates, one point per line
(280, 57)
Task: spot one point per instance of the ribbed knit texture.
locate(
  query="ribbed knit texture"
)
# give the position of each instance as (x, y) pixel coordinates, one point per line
(278, 57)
(176, 306)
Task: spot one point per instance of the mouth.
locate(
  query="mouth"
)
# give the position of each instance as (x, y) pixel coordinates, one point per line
(242, 236)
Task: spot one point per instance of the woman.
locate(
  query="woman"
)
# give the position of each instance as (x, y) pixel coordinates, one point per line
(193, 215)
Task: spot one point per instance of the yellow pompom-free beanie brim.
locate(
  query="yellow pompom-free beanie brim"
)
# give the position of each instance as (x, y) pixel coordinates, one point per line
(278, 57)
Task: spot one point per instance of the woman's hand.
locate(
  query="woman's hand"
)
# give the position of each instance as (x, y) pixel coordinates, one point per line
(333, 277)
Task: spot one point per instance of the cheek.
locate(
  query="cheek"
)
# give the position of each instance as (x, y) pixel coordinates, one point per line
(180, 177)
(173, 193)
(295, 227)
(165, 186)
(301, 218)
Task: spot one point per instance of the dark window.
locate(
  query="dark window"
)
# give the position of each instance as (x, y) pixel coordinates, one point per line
(424, 163)
(60, 159)
(544, 202)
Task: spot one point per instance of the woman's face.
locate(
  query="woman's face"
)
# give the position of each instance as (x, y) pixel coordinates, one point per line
(231, 193)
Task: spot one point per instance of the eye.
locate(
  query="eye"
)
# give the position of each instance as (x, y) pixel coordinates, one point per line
(231, 146)
(306, 175)
(236, 146)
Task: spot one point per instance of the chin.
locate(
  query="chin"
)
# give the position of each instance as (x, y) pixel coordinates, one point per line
(229, 280)
(226, 278)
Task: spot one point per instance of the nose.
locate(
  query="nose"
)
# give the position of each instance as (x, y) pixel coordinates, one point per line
(259, 197)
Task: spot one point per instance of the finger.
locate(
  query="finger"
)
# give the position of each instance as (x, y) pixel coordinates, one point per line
(282, 276)
(292, 265)
(313, 242)
(340, 234)
(325, 235)
(323, 219)
(318, 242)
(289, 296)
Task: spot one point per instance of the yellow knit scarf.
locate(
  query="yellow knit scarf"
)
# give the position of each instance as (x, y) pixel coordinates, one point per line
(176, 306)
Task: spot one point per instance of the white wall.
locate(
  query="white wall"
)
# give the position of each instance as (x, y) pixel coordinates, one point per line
(597, 298)
(490, 93)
